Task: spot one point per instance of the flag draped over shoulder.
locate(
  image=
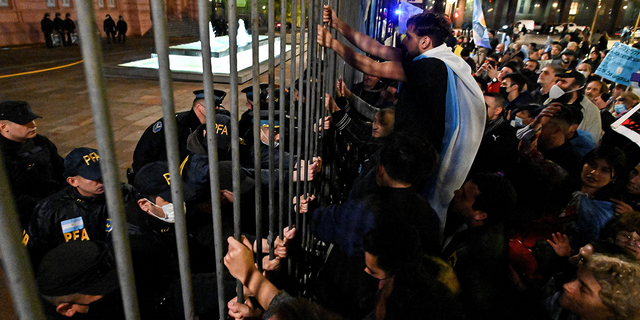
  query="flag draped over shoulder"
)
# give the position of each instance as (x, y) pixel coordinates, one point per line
(406, 11)
(480, 34)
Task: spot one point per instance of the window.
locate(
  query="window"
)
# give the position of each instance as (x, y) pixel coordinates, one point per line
(574, 8)
(4, 3)
(532, 6)
(112, 3)
(66, 3)
(101, 3)
(521, 10)
(51, 3)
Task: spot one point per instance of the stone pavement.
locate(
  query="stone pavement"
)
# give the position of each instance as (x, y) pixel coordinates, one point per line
(61, 97)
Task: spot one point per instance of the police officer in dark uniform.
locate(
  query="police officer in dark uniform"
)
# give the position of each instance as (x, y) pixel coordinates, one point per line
(155, 254)
(152, 147)
(245, 125)
(32, 161)
(78, 212)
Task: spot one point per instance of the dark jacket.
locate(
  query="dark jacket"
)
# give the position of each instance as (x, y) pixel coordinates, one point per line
(122, 27)
(152, 147)
(69, 25)
(498, 150)
(68, 216)
(35, 171)
(109, 25)
(46, 25)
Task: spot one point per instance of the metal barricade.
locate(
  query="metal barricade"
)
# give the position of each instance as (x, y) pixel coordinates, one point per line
(315, 70)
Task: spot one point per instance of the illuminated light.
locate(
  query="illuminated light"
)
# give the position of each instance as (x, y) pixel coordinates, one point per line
(264, 7)
(537, 5)
(625, 7)
(554, 5)
(398, 12)
(456, 15)
(490, 10)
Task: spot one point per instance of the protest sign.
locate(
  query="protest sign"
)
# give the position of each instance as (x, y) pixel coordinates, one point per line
(621, 61)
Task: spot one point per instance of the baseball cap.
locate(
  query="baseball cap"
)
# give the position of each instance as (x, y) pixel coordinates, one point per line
(569, 52)
(17, 112)
(85, 267)
(154, 179)
(572, 73)
(84, 162)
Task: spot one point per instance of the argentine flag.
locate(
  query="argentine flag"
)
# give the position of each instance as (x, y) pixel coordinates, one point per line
(406, 11)
(480, 34)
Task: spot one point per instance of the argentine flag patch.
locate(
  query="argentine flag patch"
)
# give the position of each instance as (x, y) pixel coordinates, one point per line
(72, 225)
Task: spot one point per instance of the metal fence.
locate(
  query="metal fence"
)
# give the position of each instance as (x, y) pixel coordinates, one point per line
(316, 69)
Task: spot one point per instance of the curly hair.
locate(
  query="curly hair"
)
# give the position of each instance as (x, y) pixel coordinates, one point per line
(626, 222)
(620, 282)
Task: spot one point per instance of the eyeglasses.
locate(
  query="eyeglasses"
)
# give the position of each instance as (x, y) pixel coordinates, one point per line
(626, 237)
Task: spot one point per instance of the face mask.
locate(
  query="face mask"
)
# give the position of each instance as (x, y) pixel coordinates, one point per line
(565, 61)
(169, 215)
(109, 307)
(555, 92)
(503, 92)
(527, 73)
(584, 73)
(275, 143)
(518, 121)
(619, 108)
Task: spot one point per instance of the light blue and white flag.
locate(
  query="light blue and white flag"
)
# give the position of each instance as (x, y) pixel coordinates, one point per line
(406, 11)
(480, 33)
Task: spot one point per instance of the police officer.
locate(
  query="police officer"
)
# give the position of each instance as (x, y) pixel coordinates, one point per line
(245, 124)
(79, 280)
(151, 146)
(32, 161)
(155, 253)
(78, 212)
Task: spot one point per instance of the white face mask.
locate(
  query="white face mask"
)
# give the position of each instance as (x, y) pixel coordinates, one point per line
(169, 214)
(584, 73)
(518, 121)
(275, 143)
(555, 92)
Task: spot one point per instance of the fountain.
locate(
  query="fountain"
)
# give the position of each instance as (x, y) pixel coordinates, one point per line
(185, 60)
(219, 45)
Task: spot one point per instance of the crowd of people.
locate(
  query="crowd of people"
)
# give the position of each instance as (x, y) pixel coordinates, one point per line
(57, 31)
(470, 186)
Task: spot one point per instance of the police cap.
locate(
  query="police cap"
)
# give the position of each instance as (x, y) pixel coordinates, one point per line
(17, 112)
(218, 94)
(85, 267)
(154, 179)
(84, 162)
(264, 118)
(263, 92)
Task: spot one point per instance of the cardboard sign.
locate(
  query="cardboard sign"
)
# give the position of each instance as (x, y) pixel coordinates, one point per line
(620, 63)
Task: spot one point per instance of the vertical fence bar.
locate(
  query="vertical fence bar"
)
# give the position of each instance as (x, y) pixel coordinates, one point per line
(235, 137)
(212, 146)
(257, 157)
(293, 115)
(282, 108)
(312, 62)
(91, 53)
(272, 81)
(173, 153)
(301, 125)
(15, 259)
(319, 83)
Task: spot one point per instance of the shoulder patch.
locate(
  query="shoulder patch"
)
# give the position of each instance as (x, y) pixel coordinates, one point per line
(72, 225)
(157, 126)
(108, 227)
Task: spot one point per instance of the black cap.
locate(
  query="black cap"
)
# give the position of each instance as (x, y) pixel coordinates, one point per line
(263, 92)
(84, 162)
(572, 73)
(225, 170)
(17, 112)
(223, 133)
(218, 94)
(569, 53)
(154, 179)
(85, 267)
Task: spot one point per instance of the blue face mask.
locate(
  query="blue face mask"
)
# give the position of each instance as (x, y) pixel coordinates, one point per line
(619, 108)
